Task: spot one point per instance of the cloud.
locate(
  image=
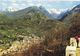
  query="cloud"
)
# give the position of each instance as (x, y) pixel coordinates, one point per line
(48, 4)
(40, 1)
(61, 0)
(23, 4)
(13, 7)
(53, 10)
(30, 4)
(29, 1)
(3, 4)
(14, 1)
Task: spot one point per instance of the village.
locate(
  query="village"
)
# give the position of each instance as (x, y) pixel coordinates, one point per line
(74, 48)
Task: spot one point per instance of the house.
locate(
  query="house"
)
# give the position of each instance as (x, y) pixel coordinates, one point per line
(74, 48)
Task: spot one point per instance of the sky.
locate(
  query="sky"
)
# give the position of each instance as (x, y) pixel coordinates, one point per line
(48, 4)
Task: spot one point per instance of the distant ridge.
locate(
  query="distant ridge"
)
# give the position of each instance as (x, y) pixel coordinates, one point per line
(75, 9)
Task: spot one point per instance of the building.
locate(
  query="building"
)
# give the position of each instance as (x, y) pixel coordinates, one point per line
(74, 48)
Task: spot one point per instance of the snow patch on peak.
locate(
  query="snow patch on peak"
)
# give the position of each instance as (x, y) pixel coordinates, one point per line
(56, 11)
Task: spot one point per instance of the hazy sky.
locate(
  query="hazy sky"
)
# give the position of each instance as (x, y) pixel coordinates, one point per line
(48, 4)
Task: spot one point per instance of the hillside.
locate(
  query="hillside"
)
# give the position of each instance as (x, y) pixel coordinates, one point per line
(73, 21)
(31, 27)
(35, 23)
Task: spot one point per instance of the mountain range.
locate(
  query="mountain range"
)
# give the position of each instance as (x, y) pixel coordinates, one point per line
(52, 14)
(75, 9)
(54, 29)
(26, 11)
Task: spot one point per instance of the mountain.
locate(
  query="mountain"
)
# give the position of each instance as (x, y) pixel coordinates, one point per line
(23, 13)
(51, 14)
(29, 11)
(54, 13)
(43, 10)
(73, 21)
(35, 21)
(32, 19)
(73, 15)
(75, 9)
(63, 14)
